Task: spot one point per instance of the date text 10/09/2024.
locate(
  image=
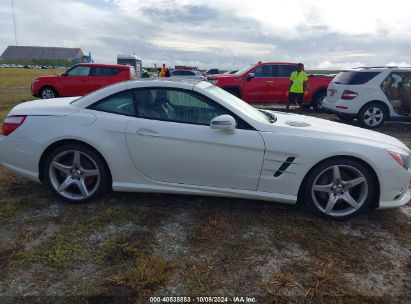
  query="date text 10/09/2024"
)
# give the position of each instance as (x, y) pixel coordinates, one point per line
(183, 299)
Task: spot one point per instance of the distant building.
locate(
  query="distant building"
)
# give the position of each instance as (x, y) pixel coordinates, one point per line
(42, 53)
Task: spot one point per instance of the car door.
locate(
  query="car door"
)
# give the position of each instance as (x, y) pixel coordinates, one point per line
(75, 81)
(260, 88)
(177, 145)
(100, 77)
(397, 88)
(281, 79)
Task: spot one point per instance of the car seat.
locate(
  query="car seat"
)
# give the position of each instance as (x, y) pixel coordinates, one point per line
(145, 104)
(163, 107)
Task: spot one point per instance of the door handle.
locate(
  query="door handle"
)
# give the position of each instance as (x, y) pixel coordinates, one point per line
(147, 132)
(270, 81)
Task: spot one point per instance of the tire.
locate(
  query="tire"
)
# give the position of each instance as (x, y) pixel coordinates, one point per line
(76, 173)
(345, 118)
(48, 92)
(318, 101)
(372, 115)
(339, 189)
(234, 91)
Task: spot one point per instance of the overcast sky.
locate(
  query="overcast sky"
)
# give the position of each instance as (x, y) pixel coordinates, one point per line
(226, 34)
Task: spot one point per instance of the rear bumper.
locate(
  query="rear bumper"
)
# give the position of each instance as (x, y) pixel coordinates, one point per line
(341, 106)
(20, 156)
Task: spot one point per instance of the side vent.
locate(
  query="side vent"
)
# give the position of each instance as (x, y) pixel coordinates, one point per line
(284, 166)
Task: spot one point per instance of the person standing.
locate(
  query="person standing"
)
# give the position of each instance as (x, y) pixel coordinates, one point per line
(163, 71)
(298, 85)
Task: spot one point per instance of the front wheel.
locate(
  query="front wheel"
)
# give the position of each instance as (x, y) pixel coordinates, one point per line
(47, 93)
(372, 116)
(339, 189)
(76, 173)
(318, 102)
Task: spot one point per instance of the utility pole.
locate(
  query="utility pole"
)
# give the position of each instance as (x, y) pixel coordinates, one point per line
(14, 21)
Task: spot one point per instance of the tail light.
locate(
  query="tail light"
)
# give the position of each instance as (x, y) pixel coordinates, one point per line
(347, 94)
(11, 123)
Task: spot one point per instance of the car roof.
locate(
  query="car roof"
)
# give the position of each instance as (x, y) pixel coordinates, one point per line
(103, 65)
(377, 68)
(279, 63)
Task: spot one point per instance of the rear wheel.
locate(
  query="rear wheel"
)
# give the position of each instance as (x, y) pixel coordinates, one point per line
(48, 92)
(339, 189)
(372, 115)
(76, 173)
(318, 102)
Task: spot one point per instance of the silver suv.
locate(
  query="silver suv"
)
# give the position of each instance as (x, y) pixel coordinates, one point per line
(371, 94)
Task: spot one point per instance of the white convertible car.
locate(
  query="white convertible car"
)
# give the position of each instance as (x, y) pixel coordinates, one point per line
(195, 138)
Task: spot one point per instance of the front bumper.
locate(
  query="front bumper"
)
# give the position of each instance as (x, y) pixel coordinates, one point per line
(399, 196)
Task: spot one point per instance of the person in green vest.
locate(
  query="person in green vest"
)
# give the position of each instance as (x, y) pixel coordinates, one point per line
(298, 85)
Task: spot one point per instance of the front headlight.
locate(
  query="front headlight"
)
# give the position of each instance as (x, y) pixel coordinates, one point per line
(402, 159)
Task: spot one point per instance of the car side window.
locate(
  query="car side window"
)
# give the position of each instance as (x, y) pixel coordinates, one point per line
(119, 103)
(177, 106)
(103, 71)
(263, 71)
(284, 70)
(79, 70)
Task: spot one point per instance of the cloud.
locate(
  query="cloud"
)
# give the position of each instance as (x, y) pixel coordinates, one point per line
(218, 33)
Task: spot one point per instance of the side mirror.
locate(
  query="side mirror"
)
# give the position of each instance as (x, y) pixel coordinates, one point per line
(250, 76)
(223, 122)
(64, 74)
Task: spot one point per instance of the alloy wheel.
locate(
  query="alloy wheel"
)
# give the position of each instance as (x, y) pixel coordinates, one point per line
(47, 93)
(373, 116)
(339, 190)
(74, 175)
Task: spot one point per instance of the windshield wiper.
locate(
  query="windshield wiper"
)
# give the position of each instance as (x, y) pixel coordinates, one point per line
(271, 117)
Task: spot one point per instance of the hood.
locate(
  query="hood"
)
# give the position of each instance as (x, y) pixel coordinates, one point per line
(45, 77)
(53, 106)
(302, 125)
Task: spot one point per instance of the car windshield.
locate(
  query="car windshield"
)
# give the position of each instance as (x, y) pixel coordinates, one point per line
(239, 104)
(244, 69)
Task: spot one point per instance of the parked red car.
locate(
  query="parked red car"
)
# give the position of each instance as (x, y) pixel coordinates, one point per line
(81, 79)
(269, 82)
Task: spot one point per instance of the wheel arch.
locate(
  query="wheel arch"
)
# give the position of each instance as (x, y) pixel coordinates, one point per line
(375, 201)
(62, 142)
(317, 92)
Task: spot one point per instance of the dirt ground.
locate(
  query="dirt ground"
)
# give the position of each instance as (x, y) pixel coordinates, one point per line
(128, 247)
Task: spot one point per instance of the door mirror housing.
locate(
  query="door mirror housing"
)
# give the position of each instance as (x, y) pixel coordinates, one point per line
(223, 122)
(250, 76)
(64, 74)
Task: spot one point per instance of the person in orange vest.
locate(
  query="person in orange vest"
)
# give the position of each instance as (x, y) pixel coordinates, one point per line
(163, 71)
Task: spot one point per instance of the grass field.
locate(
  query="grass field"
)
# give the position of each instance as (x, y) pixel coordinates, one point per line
(15, 87)
(126, 247)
